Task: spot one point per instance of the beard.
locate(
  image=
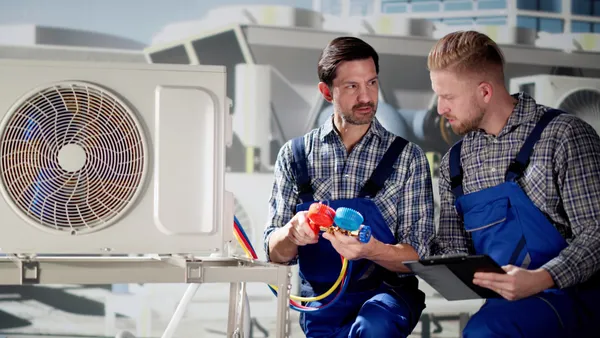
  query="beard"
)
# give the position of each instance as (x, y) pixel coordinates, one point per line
(462, 128)
(356, 118)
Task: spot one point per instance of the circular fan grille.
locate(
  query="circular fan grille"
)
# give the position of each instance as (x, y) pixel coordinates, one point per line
(585, 104)
(73, 157)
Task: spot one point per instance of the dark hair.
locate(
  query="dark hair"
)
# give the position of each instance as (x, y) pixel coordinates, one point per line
(345, 48)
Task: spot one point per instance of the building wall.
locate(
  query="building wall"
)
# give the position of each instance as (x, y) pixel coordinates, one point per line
(546, 16)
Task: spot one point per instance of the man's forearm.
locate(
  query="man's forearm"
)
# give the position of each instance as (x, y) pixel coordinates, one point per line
(281, 248)
(391, 256)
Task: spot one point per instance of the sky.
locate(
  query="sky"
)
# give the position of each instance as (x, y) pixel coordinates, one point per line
(134, 19)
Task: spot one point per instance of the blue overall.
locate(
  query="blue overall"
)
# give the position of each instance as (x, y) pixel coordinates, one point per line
(506, 225)
(377, 303)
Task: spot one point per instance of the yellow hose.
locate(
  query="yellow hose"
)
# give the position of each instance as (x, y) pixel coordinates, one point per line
(297, 298)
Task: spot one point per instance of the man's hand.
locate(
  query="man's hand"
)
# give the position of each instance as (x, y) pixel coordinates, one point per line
(284, 242)
(517, 283)
(349, 247)
(299, 232)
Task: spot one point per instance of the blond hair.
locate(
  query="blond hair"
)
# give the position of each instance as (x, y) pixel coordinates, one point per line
(466, 51)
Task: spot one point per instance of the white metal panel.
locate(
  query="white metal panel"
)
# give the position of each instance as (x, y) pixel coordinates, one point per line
(137, 230)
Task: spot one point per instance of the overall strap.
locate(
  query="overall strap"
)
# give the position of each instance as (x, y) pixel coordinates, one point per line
(300, 168)
(384, 169)
(456, 171)
(519, 164)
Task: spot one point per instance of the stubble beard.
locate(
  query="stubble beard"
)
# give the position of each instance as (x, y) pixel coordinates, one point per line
(354, 118)
(463, 128)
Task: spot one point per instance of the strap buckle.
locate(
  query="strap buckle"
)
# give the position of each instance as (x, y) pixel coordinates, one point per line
(456, 181)
(517, 167)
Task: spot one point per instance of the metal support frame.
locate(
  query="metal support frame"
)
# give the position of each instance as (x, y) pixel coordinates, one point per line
(91, 270)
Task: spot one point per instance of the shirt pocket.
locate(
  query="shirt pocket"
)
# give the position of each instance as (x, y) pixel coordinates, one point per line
(390, 192)
(388, 199)
(535, 183)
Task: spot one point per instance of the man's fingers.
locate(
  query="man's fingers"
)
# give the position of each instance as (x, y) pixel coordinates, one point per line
(300, 218)
(296, 241)
(299, 238)
(492, 276)
(508, 295)
(307, 231)
(347, 240)
(294, 237)
(332, 239)
(300, 231)
(304, 228)
(494, 285)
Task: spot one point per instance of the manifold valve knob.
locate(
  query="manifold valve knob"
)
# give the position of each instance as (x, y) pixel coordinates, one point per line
(320, 216)
(364, 234)
(348, 219)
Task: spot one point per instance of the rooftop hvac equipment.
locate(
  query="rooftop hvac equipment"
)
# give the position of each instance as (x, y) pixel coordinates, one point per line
(115, 173)
(113, 158)
(38, 35)
(575, 95)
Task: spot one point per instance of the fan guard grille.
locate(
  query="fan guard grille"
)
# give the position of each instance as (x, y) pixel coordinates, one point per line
(585, 104)
(73, 158)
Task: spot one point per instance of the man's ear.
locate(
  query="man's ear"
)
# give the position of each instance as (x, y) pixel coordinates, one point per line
(486, 90)
(325, 91)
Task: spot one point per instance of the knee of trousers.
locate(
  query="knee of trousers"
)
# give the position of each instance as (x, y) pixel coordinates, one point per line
(486, 324)
(375, 323)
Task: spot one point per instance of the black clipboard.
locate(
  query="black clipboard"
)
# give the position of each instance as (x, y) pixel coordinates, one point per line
(452, 276)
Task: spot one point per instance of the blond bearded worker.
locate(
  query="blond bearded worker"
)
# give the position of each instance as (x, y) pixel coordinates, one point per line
(522, 187)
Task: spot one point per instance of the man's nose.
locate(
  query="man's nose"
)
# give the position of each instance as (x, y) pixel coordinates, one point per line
(442, 108)
(364, 96)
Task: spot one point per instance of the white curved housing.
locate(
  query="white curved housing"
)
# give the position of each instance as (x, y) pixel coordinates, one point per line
(178, 133)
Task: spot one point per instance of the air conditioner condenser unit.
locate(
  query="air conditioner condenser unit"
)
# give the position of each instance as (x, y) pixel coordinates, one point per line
(113, 158)
(575, 95)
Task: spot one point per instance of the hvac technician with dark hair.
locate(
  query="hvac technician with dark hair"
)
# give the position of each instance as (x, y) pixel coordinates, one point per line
(523, 187)
(352, 161)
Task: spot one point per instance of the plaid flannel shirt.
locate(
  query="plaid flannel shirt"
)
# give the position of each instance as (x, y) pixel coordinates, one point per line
(405, 201)
(562, 180)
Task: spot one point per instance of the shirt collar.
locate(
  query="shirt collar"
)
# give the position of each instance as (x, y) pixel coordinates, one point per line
(328, 128)
(525, 110)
